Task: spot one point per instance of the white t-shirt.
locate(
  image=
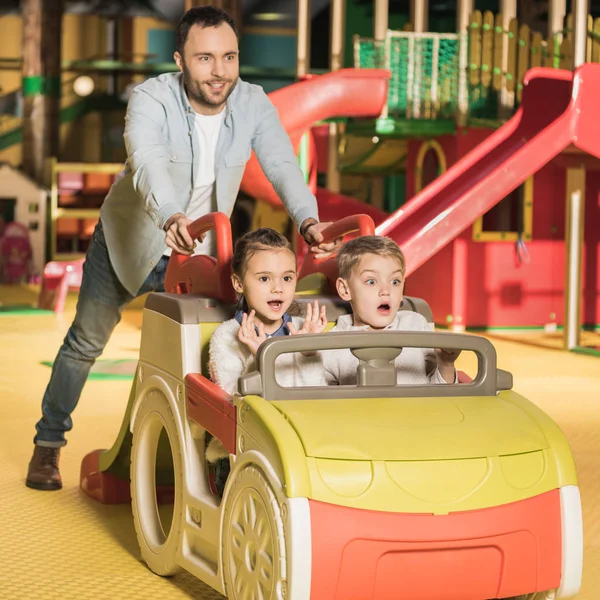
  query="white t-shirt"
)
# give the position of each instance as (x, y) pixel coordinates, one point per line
(204, 199)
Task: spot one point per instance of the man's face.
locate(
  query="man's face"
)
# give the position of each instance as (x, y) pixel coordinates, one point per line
(210, 66)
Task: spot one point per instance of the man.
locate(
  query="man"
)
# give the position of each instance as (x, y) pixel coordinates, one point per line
(188, 136)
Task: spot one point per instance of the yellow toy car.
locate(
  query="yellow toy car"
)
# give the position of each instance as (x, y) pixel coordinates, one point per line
(375, 491)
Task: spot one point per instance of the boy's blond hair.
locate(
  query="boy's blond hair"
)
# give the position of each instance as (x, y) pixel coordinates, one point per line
(351, 252)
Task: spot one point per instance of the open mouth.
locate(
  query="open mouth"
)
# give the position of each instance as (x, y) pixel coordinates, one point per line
(384, 309)
(275, 304)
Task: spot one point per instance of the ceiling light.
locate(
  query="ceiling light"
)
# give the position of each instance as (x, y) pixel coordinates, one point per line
(271, 16)
(83, 85)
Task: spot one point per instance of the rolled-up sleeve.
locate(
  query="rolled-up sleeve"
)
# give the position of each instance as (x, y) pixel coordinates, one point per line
(276, 156)
(148, 156)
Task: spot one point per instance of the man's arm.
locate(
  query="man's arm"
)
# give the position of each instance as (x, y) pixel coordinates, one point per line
(148, 156)
(280, 165)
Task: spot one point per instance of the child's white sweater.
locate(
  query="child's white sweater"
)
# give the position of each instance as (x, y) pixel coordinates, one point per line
(230, 359)
(414, 365)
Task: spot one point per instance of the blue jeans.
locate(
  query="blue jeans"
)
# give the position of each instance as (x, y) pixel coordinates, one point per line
(101, 301)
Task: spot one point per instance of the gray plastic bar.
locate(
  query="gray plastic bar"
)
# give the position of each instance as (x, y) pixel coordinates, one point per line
(264, 383)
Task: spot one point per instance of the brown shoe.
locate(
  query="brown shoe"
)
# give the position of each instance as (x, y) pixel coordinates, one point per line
(43, 473)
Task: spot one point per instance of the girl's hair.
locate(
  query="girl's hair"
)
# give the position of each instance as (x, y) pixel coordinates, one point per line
(255, 241)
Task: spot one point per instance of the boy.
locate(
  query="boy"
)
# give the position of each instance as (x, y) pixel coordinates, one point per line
(371, 277)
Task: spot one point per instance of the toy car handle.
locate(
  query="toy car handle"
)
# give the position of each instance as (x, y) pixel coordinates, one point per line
(362, 223)
(221, 224)
(373, 348)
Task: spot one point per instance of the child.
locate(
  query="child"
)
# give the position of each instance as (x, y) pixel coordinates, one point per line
(371, 277)
(264, 273)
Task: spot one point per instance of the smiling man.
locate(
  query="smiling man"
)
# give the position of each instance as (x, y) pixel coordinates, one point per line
(188, 137)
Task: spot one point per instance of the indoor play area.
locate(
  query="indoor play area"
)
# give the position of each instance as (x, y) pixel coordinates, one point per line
(466, 132)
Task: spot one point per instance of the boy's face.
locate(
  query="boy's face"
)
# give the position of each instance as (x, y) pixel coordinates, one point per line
(374, 290)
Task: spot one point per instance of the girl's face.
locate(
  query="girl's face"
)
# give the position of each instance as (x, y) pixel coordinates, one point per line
(269, 285)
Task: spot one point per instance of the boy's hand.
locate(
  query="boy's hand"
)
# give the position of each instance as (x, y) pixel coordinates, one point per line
(447, 357)
(248, 333)
(314, 322)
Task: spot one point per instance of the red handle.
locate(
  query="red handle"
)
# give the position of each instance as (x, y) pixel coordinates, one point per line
(180, 268)
(362, 223)
(222, 226)
(327, 266)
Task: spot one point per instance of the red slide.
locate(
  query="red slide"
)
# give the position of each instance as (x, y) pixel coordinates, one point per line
(343, 93)
(559, 108)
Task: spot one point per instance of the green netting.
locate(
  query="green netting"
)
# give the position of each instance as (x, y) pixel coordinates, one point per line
(424, 81)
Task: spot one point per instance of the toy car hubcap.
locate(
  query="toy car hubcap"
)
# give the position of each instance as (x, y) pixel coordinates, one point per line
(252, 548)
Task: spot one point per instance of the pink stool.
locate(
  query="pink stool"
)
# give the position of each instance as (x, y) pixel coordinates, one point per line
(58, 278)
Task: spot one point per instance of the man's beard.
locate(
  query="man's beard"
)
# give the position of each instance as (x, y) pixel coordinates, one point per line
(197, 93)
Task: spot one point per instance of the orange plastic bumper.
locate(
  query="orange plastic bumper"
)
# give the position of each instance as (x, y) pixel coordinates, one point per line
(490, 553)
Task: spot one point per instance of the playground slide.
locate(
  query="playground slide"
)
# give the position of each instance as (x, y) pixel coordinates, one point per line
(557, 110)
(343, 93)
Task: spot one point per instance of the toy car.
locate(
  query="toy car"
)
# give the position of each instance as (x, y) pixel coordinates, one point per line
(375, 491)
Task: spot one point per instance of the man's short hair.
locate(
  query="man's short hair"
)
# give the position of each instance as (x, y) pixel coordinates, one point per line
(205, 16)
(351, 252)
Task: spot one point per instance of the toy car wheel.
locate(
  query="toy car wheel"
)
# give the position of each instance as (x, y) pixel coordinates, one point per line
(158, 547)
(254, 544)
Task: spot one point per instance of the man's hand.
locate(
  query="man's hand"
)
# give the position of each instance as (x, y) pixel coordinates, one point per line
(310, 230)
(178, 237)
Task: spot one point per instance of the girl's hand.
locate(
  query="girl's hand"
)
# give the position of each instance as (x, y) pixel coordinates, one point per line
(315, 321)
(248, 334)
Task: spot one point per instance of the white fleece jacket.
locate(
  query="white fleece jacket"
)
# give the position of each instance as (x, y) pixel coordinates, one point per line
(229, 359)
(414, 366)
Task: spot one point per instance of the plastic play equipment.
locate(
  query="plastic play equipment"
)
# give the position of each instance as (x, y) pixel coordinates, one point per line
(557, 111)
(15, 254)
(338, 493)
(343, 93)
(58, 278)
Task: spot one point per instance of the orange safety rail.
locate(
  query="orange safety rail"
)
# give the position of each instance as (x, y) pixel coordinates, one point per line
(490, 553)
(212, 408)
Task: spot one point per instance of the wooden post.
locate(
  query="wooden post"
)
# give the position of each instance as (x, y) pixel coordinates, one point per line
(556, 18)
(580, 26)
(232, 7)
(574, 250)
(42, 26)
(419, 15)
(463, 15)
(338, 21)
(303, 43)
(508, 8)
(382, 10)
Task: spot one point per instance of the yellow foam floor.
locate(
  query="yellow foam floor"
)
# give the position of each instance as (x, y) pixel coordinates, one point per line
(62, 545)
(554, 340)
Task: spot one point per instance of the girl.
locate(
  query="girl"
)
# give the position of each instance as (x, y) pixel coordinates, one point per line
(264, 273)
